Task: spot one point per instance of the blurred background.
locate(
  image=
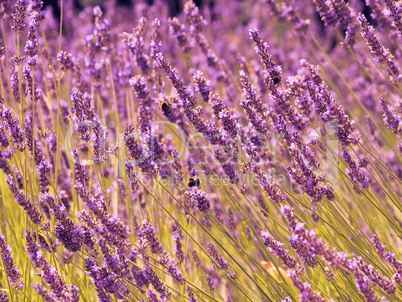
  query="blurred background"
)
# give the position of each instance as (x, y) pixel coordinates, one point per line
(176, 6)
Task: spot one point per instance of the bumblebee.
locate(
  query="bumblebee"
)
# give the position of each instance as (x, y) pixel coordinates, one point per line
(193, 182)
(276, 79)
(166, 108)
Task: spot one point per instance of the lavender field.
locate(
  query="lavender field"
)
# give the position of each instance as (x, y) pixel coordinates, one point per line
(224, 151)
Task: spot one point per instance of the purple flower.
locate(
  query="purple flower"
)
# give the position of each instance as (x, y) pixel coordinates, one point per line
(82, 112)
(378, 13)
(374, 275)
(328, 109)
(199, 198)
(276, 10)
(391, 119)
(46, 271)
(10, 268)
(32, 143)
(34, 215)
(273, 192)
(354, 171)
(390, 257)
(344, 13)
(329, 273)
(142, 158)
(139, 277)
(117, 263)
(157, 284)
(363, 285)
(99, 138)
(225, 117)
(382, 54)
(101, 30)
(81, 175)
(175, 273)
(3, 297)
(395, 14)
(131, 175)
(151, 295)
(180, 255)
(210, 282)
(115, 231)
(186, 96)
(46, 294)
(44, 168)
(16, 131)
(105, 282)
(201, 85)
(148, 232)
(288, 10)
(178, 30)
(3, 137)
(191, 295)
(326, 12)
(231, 219)
(256, 111)
(194, 17)
(31, 49)
(276, 248)
(303, 249)
(282, 101)
(66, 231)
(139, 85)
(65, 59)
(270, 67)
(135, 44)
(223, 264)
(19, 15)
(306, 292)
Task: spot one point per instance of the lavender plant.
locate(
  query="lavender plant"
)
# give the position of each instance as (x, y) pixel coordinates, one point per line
(227, 151)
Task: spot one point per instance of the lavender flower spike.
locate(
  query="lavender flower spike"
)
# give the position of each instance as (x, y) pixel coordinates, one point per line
(395, 14)
(9, 266)
(19, 15)
(23, 201)
(326, 12)
(157, 284)
(276, 248)
(271, 68)
(3, 297)
(306, 292)
(363, 285)
(217, 257)
(149, 234)
(17, 132)
(199, 198)
(390, 257)
(382, 54)
(66, 231)
(354, 171)
(47, 271)
(391, 119)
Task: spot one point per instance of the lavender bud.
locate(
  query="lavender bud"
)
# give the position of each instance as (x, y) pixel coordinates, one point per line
(217, 257)
(10, 269)
(199, 198)
(3, 297)
(276, 248)
(19, 16)
(148, 232)
(65, 59)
